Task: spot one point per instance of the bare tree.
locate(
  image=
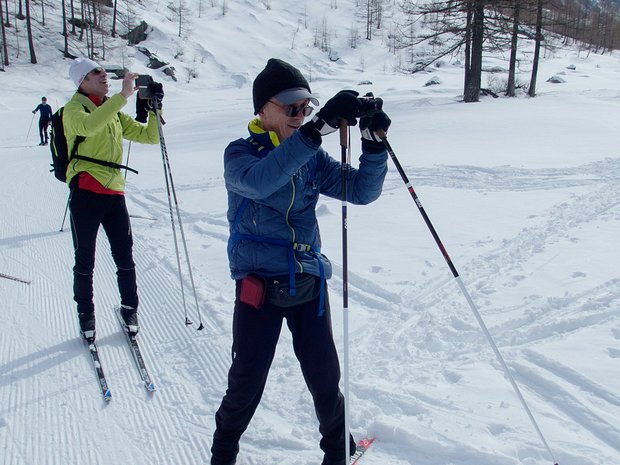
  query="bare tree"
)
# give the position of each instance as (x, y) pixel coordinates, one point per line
(20, 13)
(5, 52)
(474, 82)
(114, 10)
(72, 18)
(181, 6)
(33, 56)
(369, 12)
(539, 38)
(7, 15)
(510, 86)
(64, 29)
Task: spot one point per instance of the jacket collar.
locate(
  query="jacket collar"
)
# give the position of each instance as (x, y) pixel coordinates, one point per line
(268, 139)
(87, 101)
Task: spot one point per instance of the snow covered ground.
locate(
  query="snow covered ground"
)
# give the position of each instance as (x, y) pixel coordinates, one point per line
(524, 193)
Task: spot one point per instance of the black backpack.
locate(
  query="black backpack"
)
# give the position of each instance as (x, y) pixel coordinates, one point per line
(60, 151)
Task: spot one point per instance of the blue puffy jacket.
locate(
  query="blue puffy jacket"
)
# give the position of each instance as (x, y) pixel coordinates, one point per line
(273, 189)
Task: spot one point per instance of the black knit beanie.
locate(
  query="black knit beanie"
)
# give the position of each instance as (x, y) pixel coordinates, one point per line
(276, 77)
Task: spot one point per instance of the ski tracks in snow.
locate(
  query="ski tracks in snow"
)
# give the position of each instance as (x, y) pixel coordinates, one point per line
(426, 323)
(431, 324)
(48, 363)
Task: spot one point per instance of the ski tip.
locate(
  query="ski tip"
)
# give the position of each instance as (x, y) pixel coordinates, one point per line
(151, 387)
(366, 442)
(107, 396)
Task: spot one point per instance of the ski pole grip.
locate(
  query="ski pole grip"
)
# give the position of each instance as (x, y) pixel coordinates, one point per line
(343, 133)
(381, 133)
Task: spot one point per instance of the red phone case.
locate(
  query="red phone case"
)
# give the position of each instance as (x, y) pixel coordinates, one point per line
(252, 291)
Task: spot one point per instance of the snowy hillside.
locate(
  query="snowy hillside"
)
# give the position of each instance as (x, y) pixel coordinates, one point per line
(524, 193)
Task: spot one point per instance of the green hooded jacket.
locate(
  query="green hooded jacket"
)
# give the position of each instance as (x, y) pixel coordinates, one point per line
(104, 128)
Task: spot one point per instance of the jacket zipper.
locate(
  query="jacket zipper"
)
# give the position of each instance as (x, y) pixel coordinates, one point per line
(301, 268)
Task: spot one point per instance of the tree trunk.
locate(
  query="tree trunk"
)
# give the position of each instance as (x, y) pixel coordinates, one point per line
(95, 22)
(5, 53)
(82, 22)
(539, 15)
(510, 87)
(72, 18)
(368, 19)
(20, 13)
(470, 8)
(64, 29)
(8, 16)
(180, 16)
(114, 19)
(33, 56)
(472, 91)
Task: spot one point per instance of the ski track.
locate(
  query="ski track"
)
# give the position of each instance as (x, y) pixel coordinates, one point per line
(52, 367)
(437, 306)
(179, 416)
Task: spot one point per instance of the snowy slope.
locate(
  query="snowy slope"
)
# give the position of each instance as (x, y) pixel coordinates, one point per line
(523, 192)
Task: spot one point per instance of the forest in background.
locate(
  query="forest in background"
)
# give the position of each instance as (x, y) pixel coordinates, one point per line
(420, 32)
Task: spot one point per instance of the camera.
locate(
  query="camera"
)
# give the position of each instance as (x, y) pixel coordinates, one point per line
(370, 105)
(143, 82)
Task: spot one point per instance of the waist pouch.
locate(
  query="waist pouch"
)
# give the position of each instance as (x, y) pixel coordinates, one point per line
(277, 292)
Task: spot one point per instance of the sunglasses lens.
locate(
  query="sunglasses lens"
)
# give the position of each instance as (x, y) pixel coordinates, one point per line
(97, 71)
(293, 111)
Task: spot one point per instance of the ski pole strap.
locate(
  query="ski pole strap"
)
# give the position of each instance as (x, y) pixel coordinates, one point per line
(103, 162)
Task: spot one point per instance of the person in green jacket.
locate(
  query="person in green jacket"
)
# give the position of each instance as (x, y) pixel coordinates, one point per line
(95, 122)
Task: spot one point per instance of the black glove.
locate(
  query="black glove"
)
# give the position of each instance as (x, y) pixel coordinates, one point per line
(370, 127)
(142, 109)
(144, 105)
(157, 91)
(343, 106)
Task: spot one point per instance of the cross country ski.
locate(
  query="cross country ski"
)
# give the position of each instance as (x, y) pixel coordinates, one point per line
(136, 353)
(94, 355)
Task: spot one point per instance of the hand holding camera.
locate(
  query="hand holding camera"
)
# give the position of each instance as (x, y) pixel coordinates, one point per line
(150, 96)
(343, 106)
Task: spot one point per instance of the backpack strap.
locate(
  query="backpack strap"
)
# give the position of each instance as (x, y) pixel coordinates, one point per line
(291, 246)
(102, 162)
(74, 154)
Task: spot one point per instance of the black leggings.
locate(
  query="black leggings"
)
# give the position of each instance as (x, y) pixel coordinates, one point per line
(43, 124)
(255, 335)
(88, 212)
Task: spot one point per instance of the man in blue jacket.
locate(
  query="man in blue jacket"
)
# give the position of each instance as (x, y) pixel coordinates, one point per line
(45, 117)
(274, 178)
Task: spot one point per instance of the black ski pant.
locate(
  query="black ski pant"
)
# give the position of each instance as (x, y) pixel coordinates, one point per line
(43, 125)
(255, 335)
(89, 211)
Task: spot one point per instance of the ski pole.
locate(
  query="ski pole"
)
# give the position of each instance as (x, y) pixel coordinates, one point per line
(470, 301)
(127, 163)
(169, 187)
(30, 127)
(13, 278)
(62, 226)
(345, 164)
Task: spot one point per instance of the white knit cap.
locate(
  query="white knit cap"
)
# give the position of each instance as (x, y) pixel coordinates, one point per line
(79, 68)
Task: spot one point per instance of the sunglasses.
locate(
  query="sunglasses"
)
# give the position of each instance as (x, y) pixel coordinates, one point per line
(294, 110)
(97, 71)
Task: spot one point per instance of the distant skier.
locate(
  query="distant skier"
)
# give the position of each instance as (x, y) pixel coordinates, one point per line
(97, 185)
(45, 116)
(274, 179)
